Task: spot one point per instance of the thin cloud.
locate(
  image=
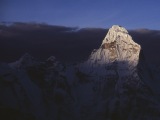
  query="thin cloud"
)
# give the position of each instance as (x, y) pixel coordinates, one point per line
(102, 21)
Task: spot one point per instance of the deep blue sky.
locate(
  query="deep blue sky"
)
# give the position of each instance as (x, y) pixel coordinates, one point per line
(132, 14)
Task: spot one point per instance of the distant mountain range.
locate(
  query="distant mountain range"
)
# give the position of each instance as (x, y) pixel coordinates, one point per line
(42, 41)
(114, 83)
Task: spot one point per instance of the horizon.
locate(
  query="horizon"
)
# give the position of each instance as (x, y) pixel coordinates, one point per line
(9, 23)
(83, 14)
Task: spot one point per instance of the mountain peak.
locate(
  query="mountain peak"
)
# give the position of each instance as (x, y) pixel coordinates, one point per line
(26, 56)
(118, 28)
(24, 61)
(51, 59)
(117, 48)
(117, 33)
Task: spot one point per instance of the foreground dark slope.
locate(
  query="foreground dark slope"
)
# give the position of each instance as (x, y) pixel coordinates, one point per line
(66, 43)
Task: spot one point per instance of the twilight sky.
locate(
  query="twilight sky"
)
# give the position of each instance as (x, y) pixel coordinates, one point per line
(132, 14)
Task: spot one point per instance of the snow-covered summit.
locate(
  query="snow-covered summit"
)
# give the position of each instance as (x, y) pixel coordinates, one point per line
(117, 31)
(51, 59)
(25, 61)
(118, 51)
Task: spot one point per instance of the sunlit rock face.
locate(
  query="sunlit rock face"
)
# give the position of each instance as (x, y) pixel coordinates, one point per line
(120, 46)
(117, 52)
(115, 61)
